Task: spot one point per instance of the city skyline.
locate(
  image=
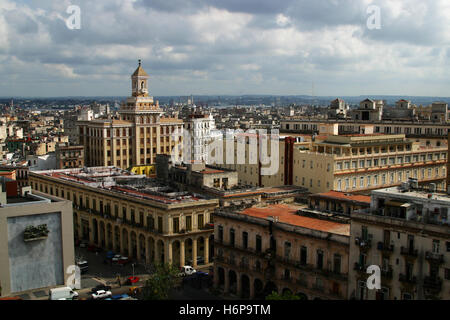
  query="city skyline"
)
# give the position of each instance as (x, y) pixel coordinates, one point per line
(225, 48)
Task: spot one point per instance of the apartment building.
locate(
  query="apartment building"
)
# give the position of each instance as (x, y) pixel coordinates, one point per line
(134, 215)
(137, 137)
(412, 129)
(357, 163)
(69, 156)
(406, 232)
(268, 248)
(336, 202)
(31, 259)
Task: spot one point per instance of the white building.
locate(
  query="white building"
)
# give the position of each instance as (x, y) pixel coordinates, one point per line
(202, 130)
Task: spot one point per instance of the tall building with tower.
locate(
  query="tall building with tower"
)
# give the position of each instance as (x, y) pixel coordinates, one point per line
(137, 136)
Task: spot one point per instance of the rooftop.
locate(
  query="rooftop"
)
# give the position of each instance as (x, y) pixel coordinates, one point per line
(417, 194)
(343, 196)
(123, 182)
(288, 214)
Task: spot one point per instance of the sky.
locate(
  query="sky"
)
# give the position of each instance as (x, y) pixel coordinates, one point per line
(226, 47)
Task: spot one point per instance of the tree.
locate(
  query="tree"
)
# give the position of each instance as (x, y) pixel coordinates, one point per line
(286, 296)
(164, 278)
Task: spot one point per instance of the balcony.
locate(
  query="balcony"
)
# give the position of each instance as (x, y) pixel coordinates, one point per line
(407, 279)
(364, 244)
(410, 252)
(432, 283)
(387, 248)
(434, 257)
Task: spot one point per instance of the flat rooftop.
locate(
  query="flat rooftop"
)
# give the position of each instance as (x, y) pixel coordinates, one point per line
(420, 193)
(336, 195)
(123, 182)
(287, 213)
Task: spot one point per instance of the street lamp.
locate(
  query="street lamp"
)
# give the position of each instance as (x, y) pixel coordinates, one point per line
(133, 269)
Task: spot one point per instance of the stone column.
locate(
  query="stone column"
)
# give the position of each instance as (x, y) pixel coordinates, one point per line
(216, 277)
(194, 253)
(121, 240)
(130, 248)
(106, 237)
(138, 248)
(147, 251)
(238, 285)
(113, 234)
(182, 258)
(91, 230)
(157, 253)
(206, 250)
(80, 227)
(252, 288)
(168, 252)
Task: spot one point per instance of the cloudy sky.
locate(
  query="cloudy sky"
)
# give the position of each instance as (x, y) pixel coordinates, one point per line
(226, 47)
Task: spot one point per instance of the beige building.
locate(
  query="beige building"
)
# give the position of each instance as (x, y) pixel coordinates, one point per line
(348, 163)
(406, 232)
(41, 260)
(274, 248)
(132, 214)
(69, 156)
(137, 137)
(357, 163)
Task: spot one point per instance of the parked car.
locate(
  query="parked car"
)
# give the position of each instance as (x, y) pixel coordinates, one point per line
(83, 265)
(101, 294)
(131, 280)
(101, 287)
(187, 271)
(120, 259)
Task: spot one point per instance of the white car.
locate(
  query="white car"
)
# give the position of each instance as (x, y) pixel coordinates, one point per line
(118, 258)
(101, 294)
(187, 271)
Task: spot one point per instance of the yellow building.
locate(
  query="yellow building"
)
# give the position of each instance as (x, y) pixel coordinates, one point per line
(133, 215)
(137, 137)
(349, 163)
(149, 171)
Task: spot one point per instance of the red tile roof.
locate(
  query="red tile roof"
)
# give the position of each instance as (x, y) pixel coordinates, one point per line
(344, 196)
(287, 214)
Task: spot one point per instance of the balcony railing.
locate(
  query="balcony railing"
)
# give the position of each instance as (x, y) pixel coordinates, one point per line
(407, 279)
(385, 247)
(411, 252)
(434, 257)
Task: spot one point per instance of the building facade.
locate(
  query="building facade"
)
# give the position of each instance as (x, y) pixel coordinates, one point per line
(132, 214)
(259, 250)
(39, 262)
(406, 233)
(137, 137)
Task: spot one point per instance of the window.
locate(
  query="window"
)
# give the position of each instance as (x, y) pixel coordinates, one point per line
(337, 263)
(220, 233)
(232, 237)
(319, 259)
(303, 255)
(258, 243)
(361, 182)
(354, 182)
(188, 223)
(368, 181)
(435, 246)
(287, 249)
(245, 240)
(200, 222)
(176, 225)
